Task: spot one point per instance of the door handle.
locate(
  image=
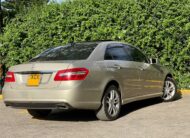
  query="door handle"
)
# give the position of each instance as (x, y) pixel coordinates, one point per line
(141, 68)
(116, 66)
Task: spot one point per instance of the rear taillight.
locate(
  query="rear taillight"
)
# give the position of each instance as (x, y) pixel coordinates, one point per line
(71, 74)
(10, 77)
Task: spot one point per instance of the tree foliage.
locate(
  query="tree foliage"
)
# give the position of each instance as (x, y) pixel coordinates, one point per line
(12, 7)
(160, 28)
(20, 5)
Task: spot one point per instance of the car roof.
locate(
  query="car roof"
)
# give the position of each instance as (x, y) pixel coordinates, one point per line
(98, 53)
(102, 42)
(94, 42)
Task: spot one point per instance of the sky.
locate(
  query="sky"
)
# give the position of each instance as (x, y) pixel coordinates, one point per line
(58, 1)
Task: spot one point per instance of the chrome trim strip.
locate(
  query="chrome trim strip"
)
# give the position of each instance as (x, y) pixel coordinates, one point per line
(35, 72)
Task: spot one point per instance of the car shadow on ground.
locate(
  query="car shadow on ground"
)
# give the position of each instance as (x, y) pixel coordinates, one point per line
(134, 106)
(86, 115)
(131, 107)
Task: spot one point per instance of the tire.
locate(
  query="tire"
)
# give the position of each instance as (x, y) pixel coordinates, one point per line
(111, 105)
(169, 90)
(39, 113)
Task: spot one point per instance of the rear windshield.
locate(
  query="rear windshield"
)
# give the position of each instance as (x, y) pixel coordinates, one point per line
(69, 52)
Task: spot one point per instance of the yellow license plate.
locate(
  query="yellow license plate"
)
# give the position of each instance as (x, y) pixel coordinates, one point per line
(34, 80)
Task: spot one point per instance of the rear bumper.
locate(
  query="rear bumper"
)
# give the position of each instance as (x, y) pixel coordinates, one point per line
(31, 105)
(52, 98)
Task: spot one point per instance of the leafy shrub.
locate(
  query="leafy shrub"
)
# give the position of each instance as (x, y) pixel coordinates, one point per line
(160, 28)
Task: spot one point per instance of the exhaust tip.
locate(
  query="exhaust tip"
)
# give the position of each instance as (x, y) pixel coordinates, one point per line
(62, 106)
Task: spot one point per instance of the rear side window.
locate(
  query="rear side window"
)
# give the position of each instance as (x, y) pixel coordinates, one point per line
(116, 53)
(74, 52)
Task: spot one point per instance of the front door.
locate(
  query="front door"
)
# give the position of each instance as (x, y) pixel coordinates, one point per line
(150, 79)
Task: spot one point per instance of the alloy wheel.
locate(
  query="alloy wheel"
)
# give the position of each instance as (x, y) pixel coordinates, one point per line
(113, 103)
(169, 90)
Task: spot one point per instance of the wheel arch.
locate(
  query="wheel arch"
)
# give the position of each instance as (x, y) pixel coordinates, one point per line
(169, 75)
(115, 83)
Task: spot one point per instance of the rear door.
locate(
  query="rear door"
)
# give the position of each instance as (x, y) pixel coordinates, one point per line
(120, 64)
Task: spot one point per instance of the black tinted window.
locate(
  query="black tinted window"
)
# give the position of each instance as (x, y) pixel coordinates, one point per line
(116, 53)
(136, 55)
(74, 52)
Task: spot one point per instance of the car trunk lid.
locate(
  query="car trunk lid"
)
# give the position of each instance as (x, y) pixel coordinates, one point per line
(44, 70)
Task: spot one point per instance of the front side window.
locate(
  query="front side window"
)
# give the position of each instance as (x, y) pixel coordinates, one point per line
(136, 54)
(74, 52)
(116, 53)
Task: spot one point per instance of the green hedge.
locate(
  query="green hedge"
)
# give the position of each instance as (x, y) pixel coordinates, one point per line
(160, 28)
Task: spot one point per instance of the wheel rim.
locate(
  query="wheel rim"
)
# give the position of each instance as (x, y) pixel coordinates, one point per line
(113, 103)
(169, 90)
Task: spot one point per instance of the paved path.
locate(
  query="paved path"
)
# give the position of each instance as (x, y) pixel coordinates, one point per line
(145, 119)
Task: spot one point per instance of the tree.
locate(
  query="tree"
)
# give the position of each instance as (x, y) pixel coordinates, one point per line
(9, 8)
(20, 5)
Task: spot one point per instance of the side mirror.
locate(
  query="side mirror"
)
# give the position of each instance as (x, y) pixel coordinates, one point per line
(153, 61)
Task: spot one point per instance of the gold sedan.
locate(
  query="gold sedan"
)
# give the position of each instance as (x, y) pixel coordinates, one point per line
(99, 76)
